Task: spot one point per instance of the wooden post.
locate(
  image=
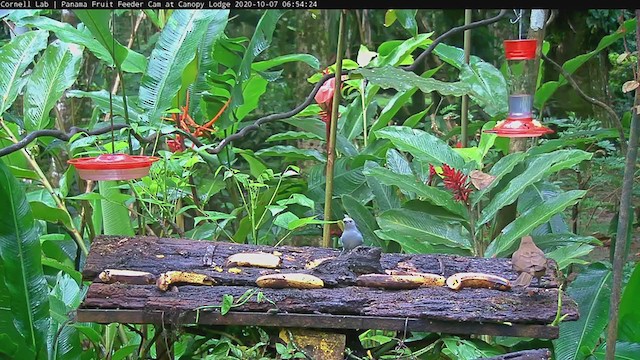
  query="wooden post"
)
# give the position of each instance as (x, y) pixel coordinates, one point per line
(164, 342)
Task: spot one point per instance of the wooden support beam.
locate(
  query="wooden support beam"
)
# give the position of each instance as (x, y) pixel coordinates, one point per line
(319, 321)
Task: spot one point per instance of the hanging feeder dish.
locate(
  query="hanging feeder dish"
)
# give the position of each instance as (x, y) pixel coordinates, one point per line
(113, 166)
(520, 55)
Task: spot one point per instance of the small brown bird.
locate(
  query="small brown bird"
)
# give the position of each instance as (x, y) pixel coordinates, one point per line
(529, 261)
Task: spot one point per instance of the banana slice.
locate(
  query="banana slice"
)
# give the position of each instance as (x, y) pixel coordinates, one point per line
(257, 259)
(477, 280)
(429, 279)
(133, 277)
(297, 281)
(182, 277)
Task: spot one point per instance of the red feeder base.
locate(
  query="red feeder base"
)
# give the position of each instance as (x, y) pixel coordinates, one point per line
(113, 166)
(519, 128)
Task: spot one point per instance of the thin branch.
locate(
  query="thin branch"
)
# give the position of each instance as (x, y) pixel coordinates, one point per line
(592, 100)
(451, 32)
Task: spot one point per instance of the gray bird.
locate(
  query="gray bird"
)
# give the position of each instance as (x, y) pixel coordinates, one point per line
(351, 237)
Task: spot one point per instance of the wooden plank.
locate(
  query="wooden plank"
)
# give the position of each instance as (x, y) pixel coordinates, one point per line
(158, 255)
(316, 321)
(437, 303)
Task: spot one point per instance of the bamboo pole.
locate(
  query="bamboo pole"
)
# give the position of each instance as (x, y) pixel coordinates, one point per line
(464, 116)
(331, 146)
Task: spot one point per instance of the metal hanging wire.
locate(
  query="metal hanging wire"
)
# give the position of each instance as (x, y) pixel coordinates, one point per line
(518, 13)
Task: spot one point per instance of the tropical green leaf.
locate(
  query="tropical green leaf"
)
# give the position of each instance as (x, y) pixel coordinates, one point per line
(317, 127)
(97, 21)
(421, 227)
(629, 324)
(501, 168)
(538, 166)
(570, 254)
(54, 215)
(411, 246)
(115, 216)
(422, 145)
(133, 62)
(550, 242)
(101, 99)
(65, 297)
(365, 221)
(280, 60)
(389, 77)
(292, 152)
(509, 237)
(293, 135)
(346, 180)
(407, 18)
(396, 52)
(23, 277)
(16, 57)
(55, 72)
(454, 56)
(488, 88)
(384, 195)
(260, 41)
(544, 93)
(394, 105)
(175, 49)
(409, 183)
(624, 351)
(539, 193)
(591, 290)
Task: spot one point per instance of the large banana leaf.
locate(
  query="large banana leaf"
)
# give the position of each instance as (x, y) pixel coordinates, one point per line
(175, 49)
(23, 278)
(400, 52)
(206, 62)
(54, 73)
(509, 237)
(624, 351)
(15, 58)
(422, 145)
(591, 290)
(133, 62)
(413, 226)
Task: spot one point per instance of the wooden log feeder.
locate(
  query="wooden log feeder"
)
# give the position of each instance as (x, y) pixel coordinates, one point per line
(180, 281)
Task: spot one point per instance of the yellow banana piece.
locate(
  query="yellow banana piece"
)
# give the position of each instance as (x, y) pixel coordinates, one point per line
(294, 280)
(257, 259)
(477, 280)
(183, 277)
(428, 279)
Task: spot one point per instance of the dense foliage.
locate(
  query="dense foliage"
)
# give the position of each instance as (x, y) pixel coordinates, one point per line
(199, 90)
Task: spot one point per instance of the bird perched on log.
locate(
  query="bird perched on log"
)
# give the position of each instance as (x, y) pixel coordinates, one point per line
(351, 237)
(529, 261)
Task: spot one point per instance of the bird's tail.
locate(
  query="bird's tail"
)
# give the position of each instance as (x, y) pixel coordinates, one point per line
(524, 279)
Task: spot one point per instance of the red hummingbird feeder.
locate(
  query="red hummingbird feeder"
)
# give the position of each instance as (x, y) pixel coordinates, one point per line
(113, 166)
(520, 55)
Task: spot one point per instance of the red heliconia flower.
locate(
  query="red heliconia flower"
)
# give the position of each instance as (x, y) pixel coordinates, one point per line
(459, 144)
(457, 182)
(177, 144)
(432, 173)
(324, 98)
